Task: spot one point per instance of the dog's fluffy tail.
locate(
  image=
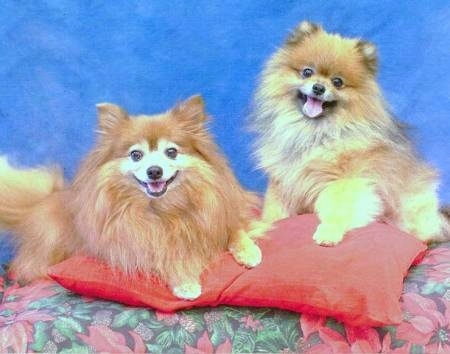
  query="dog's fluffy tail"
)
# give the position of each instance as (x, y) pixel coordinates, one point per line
(23, 189)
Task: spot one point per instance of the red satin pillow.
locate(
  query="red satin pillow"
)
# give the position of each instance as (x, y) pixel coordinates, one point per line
(358, 281)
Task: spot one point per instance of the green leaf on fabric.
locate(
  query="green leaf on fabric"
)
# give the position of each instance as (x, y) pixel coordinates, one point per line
(126, 318)
(335, 326)
(68, 327)
(165, 339)
(40, 336)
(76, 349)
(182, 337)
(417, 349)
(243, 342)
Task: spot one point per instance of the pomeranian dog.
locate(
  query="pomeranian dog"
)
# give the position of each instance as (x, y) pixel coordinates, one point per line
(329, 145)
(154, 196)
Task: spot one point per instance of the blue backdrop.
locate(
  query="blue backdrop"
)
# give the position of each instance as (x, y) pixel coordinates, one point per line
(59, 58)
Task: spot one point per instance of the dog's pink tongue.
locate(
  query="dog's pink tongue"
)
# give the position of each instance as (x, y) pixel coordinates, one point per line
(156, 187)
(312, 107)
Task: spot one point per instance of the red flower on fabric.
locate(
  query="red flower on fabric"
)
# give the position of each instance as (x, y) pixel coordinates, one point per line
(440, 340)
(439, 273)
(310, 324)
(204, 345)
(422, 319)
(250, 322)
(436, 256)
(363, 340)
(17, 329)
(104, 339)
(357, 339)
(23, 296)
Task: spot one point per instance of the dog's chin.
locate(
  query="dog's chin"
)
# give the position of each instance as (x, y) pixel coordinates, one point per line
(156, 189)
(313, 107)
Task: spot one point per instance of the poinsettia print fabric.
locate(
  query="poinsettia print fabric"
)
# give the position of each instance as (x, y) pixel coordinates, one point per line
(44, 317)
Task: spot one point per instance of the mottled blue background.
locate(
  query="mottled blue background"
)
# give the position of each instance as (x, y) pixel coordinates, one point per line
(59, 58)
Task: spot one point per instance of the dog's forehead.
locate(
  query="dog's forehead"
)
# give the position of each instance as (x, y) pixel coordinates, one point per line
(330, 54)
(152, 129)
(153, 145)
(141, 146)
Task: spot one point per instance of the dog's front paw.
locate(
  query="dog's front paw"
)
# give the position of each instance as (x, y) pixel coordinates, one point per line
(259, 229)
(247, 253)
(328, 235)
(187, 291)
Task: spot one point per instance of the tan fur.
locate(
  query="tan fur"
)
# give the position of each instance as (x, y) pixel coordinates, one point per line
(104, 213)
(351, 165)
(274, 209)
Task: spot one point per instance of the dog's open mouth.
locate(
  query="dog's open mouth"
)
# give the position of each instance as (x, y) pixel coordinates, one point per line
(157, 188)
(312, 106)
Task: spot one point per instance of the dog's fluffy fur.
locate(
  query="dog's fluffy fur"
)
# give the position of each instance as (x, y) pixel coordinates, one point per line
(171, 223)
(329, 145)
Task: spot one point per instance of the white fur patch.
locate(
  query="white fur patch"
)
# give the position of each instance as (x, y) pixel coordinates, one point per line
(150, 158)
(188, 290)
(421, 216)
(155, 158)
(344, 205)
(306, 27)
(307, 89)
(245, 251)
(369, 50)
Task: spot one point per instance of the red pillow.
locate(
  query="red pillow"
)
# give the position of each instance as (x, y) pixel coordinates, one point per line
(358, 281)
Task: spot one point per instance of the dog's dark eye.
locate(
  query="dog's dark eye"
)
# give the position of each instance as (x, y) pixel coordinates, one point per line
(136, 155)
(337, 82)
(307, 72)
(171, 153)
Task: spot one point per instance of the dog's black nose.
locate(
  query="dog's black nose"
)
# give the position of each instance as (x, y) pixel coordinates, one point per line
(318, 89)
(154, 172)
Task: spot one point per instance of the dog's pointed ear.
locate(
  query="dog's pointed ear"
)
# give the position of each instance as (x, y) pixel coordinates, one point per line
(191, 110)
(369, 55)
(303, 30)
(110, 117)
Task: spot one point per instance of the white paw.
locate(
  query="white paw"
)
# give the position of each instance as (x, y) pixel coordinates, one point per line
(248, 254)
(328, 235)
(187, 291)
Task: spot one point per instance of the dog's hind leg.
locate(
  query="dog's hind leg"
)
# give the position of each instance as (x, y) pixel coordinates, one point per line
(343, 205)
(44, 237)
(421, 217)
